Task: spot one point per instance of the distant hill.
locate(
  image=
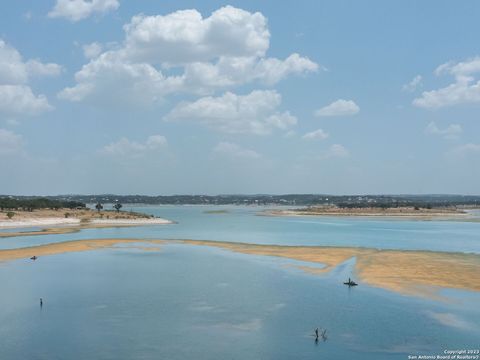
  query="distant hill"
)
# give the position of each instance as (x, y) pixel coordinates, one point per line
(385, 201)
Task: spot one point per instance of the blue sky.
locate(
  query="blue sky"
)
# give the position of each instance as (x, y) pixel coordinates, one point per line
(169, 97)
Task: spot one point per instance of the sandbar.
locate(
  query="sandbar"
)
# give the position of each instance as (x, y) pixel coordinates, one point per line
(406, 213)
(409, 272)
(75, 220)
(65, 247)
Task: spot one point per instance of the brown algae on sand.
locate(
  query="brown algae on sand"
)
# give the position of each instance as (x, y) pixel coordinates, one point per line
(410, 272)
(65, 247)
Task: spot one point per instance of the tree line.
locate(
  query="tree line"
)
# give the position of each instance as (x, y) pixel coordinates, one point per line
(8, 203)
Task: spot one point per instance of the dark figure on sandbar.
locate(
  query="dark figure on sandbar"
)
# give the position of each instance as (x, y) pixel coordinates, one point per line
(33, 257)
(41, 302)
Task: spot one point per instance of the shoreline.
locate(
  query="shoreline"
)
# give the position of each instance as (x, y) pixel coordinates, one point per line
(60, 222)
(409, 214)
(408, 272)
(73, 221)
(74, 229)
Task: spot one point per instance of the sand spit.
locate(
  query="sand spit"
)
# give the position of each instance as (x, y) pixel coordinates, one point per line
(37, 222)
(419, 273)
(410, 272)
(390, 213)
(65, 247)
(73, 221)
(73, 229)
(134, 222)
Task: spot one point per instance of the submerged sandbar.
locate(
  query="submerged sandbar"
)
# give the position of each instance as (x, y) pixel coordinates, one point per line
(412, 272)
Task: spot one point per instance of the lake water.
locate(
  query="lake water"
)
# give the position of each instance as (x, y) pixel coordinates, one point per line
(242, 224)
(187, 302)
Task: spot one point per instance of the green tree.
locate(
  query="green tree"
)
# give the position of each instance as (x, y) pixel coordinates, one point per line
(117, 206)
(99, 207)
(10, 214)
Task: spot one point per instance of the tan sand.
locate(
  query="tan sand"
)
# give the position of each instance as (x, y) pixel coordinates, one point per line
(69, 229)
(48, 217)
(408, 272)
(66, 247)
(419, 273)
(406, 213)
(76, 221)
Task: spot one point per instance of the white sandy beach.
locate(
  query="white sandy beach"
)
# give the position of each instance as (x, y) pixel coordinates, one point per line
(113, 222)
(34, 222)
(58, 221)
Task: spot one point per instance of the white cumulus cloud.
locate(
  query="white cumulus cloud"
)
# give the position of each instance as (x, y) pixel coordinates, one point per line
(464, 90)
(452, 131)
(335, 151)
(75, 10)
(14, 70)
(414, 84)
(127, 148)
(317, 134)
(339, 108)
(236, 151)
(234, 71)
(185, 36)
(255, 113)
(183, 52)
(20, 100)
(465, 150)
(114, 81)
(92, 50)
(16, 96)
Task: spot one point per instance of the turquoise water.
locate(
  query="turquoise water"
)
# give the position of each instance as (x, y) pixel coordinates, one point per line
(188, 302)
(241, 224)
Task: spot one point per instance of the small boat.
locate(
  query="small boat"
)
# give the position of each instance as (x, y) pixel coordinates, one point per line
(33, 258)
(350, 283)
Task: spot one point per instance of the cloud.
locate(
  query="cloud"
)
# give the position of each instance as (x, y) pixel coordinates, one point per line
(465, 150)
(254, 113)
(182, 52)
(413, 84)
(20, 100)
(452, 131)
(464, 90)
(230, 72)
(75, 10)
(184, 36)
(339, 108)
(15, 71)
(316, 135)
(16, 96)
(236, 151)
(126, 148)
(92, 50)
(108, 79)
(10, 143)
(335, 151)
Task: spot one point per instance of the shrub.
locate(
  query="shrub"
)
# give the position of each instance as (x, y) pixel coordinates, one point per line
(10, 214)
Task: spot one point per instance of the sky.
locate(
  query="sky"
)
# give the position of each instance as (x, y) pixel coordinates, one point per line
(211, 97)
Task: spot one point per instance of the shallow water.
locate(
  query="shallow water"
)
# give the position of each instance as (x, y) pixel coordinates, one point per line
(184, 302)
